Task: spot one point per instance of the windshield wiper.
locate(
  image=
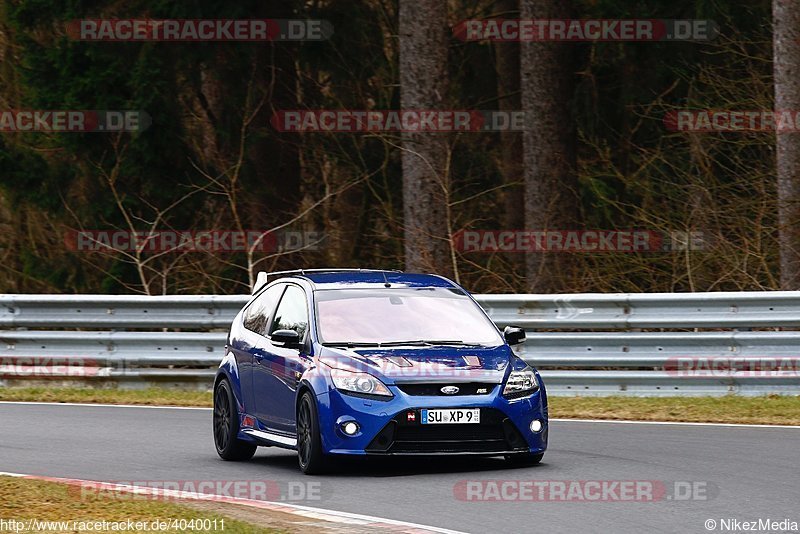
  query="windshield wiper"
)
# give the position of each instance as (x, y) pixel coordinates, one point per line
(348, 344)
(415, 342)
(430, 343)
(452, 342)
(398, 343)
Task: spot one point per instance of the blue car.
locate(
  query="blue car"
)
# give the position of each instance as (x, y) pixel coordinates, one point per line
(363, 362)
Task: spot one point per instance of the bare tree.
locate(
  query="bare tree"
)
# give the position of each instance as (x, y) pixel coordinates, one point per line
(551, 199)
(786, 42)
(424, 37)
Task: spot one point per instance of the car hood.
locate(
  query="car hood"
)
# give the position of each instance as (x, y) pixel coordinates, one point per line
(424, 364)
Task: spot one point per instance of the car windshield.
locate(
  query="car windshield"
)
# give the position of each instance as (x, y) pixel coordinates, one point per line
(397, 315)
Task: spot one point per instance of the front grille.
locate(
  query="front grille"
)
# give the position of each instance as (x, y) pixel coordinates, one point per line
(435, 390)
(494, 434)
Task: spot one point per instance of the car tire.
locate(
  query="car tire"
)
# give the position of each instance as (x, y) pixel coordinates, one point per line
(309, 444)
(226, 426)
(525, 459)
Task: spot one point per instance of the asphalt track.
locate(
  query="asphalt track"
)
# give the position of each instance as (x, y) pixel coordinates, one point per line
(737, 473)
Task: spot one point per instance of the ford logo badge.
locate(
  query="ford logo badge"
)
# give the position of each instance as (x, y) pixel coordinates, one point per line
(449, 390)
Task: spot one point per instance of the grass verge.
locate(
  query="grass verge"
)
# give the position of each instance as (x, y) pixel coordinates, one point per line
(55, 506)
(152, 396)
(769, 410)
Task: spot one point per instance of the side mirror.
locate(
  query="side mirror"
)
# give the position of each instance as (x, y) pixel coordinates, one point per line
(514, 335)
(286, 337)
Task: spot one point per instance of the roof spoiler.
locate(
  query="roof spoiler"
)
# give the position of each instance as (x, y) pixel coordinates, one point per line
(261, 281)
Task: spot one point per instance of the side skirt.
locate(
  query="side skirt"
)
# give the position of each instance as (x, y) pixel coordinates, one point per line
(272, 438)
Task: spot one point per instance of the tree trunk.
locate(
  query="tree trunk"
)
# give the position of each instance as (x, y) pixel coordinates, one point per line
(424, 36)
(508, 93)
(786, 42)
(551, 185)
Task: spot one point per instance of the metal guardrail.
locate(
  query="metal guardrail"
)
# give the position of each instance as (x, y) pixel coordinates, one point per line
(646, 310)
(123, 311)
(587, 344)
(589, 310)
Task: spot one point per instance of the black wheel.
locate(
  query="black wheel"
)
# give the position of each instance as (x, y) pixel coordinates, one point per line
(309, 444)
(525, 459)
(226, 426)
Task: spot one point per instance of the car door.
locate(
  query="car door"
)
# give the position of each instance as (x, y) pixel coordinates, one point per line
(280, 368)
(252, 339)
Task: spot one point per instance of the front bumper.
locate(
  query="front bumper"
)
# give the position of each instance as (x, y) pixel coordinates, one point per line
(385, 428)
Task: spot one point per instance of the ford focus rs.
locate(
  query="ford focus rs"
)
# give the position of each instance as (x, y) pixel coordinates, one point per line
(358, 362)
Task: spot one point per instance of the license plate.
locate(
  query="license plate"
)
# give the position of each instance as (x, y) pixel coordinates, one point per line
(450, 417)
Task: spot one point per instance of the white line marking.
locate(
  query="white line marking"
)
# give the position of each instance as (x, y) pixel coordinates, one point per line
(96, 405)
(156, 407)
(734, 425)
(333, 516)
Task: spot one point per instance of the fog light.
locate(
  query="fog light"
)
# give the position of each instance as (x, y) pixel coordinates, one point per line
(536, 425)
(350, 428)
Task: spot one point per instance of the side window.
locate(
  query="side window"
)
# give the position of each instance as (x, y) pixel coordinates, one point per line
(292, 313)
(256, 316)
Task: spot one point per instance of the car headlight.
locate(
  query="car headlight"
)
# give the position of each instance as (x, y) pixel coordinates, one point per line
(520, 383)
(359, 383)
